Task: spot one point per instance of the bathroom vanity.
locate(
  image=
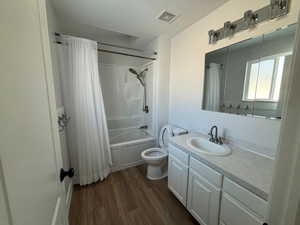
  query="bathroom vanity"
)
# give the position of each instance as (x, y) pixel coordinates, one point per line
(216, 190)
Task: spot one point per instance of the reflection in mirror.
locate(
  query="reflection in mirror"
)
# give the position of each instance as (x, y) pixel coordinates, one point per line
(250, 77)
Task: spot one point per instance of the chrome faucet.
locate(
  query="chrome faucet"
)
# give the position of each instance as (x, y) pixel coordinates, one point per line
(214, 137)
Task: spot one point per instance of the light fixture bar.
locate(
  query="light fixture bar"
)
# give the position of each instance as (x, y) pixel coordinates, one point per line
(276, 9)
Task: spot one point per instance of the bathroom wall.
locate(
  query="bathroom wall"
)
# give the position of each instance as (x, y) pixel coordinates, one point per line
(188, 50)
(123, 96)
(123, 93)
(162, 45)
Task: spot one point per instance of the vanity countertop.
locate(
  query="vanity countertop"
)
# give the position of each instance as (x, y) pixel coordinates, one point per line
(250, 170)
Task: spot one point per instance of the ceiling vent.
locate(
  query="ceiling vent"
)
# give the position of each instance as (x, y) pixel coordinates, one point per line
(167, 17)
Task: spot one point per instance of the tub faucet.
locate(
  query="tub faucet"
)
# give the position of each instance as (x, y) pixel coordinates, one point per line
(214, 137)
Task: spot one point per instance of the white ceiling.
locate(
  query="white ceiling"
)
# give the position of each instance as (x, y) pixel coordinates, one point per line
(134, 20)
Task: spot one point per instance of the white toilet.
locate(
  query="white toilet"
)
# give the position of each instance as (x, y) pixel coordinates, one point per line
(156, 158)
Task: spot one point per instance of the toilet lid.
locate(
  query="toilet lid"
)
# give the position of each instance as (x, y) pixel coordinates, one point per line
(165, 133)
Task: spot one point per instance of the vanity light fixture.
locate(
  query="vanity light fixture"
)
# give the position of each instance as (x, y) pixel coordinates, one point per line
(229, 28)
(213, 36)
(250, 18)
(276, 9)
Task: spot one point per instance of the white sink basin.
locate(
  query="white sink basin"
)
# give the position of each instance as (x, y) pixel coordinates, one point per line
(203, 145)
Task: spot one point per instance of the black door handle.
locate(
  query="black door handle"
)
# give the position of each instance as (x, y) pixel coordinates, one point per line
(63, 174)
(265, 224)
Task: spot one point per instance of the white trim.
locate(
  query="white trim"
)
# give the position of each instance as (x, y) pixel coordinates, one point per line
(285, 192)
(50, 89)
(56, 213)
(45, 46)
(69, 197)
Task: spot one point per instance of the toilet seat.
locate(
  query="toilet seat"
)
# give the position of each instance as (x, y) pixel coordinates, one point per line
(154, 153)
(165, 133)
(162, 151)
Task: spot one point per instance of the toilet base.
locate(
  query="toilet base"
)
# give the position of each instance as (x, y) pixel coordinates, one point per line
(156, 172)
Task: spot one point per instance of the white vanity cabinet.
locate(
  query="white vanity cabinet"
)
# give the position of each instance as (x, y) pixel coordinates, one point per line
(204, 191)
(211, 198)
(178, 173)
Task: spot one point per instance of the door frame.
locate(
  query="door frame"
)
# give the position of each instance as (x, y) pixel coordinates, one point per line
(285, 192)
(61, 207)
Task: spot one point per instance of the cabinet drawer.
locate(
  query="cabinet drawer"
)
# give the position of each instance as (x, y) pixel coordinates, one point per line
(179, 154)
(248, 199)
(234, 213)
(208, 173)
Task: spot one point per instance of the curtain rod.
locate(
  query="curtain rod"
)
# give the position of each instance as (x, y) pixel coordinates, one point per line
(121, 46)
(115, 52)
(126, 54)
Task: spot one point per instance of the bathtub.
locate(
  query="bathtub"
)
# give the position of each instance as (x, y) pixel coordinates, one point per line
(126, 146)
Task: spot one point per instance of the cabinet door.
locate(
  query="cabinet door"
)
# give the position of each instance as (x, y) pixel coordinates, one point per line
(177, 179)
(234, 213)
(203, 199)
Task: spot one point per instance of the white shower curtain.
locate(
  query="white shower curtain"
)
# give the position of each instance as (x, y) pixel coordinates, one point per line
(88, 140)
(212, 95)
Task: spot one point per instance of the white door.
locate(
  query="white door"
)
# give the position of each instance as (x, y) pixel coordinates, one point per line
(203, 199)
(177, 179)
(29, 141)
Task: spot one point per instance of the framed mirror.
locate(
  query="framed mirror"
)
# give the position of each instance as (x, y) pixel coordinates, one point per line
(249, 78)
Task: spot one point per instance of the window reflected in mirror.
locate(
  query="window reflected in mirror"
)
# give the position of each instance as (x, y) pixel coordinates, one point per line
(249, 78)
(263, 78)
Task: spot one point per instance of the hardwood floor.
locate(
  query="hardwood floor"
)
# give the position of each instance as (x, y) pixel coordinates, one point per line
(127, 198)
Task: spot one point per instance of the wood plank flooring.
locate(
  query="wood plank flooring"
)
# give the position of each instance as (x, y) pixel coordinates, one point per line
(127, 198)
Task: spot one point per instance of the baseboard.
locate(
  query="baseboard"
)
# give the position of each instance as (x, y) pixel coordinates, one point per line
(69, 197)
(123, 167)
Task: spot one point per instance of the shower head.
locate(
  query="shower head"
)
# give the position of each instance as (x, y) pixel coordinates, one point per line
(133, 71)
(140, 76)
